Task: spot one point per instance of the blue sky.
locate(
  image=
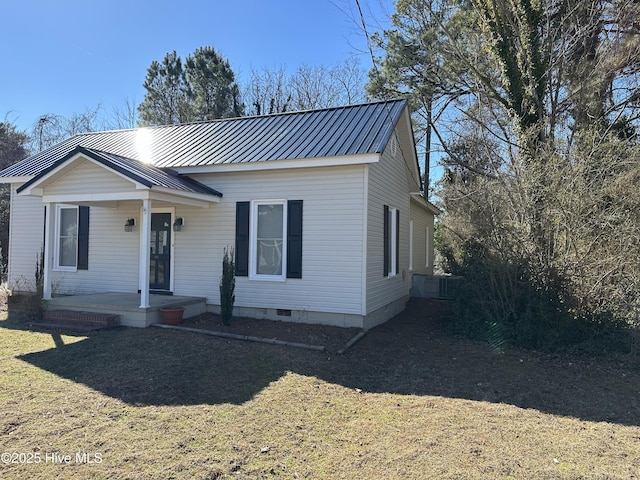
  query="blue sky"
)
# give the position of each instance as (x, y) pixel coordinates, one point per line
(64, 56)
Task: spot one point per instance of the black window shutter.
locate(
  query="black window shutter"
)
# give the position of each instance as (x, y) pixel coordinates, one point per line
(242, 238)
(386, 240)
(83, 238)
(294, 239)
(397, 241)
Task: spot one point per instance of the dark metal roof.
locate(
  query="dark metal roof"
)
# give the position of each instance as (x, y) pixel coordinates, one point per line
(351, 130)
(147, 175)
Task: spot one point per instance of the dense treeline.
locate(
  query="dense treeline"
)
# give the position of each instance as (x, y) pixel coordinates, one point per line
(535, 106)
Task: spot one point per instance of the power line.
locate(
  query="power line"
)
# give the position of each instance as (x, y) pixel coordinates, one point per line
(418, 182)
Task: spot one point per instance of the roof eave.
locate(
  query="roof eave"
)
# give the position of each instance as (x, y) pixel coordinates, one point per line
(344, 160)
(418, 199)
(189, 195)
(16, 179)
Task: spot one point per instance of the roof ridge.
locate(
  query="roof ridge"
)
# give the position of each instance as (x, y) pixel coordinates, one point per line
(310, 110)
(246, 117)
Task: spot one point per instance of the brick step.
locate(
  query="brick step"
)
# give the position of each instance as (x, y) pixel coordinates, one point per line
(77, 321)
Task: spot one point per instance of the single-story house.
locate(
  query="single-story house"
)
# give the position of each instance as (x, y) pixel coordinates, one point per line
(322, 208)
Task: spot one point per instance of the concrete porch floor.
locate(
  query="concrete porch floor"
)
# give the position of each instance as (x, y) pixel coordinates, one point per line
(127, 306)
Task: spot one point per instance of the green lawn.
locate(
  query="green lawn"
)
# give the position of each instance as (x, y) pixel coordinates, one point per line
(405, 402)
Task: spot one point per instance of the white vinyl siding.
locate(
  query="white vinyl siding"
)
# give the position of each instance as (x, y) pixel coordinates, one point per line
(422, 239)
(113, 254)
(332, 256)
(85, 176)
(388, 180)
(333, 252)
(25, 240)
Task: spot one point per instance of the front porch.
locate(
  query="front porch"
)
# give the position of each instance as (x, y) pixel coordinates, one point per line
(127, 305)
(79, 244)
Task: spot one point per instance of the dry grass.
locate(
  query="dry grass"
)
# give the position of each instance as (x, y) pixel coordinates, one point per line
(405, 402)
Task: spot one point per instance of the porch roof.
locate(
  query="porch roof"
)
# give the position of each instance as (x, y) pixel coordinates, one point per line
(145, 182)
(147, 175)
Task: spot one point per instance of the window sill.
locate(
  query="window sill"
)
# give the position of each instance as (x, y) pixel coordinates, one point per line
(268, 278)
(64, 269)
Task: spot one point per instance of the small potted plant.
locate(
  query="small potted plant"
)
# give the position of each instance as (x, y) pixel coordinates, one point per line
(171, 315)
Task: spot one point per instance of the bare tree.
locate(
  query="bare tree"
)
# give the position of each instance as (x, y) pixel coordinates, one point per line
(268, 92)
(309, 87)
(124, 116)
(51, 128)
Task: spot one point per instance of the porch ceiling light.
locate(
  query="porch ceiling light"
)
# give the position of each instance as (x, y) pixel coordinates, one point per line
(128, 225)
(177, 225)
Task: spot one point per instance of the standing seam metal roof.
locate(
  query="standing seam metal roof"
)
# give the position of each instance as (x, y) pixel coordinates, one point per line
(340, 131)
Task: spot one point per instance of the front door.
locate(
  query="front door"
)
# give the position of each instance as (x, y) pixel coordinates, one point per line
(160, 266)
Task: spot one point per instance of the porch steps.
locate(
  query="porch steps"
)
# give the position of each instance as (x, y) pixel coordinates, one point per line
(74, 321)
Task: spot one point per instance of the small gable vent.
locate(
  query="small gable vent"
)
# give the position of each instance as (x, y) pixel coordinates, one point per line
(394, 147)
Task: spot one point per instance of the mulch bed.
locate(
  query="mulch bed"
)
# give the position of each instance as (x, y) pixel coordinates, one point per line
(332, 338)
(422, 318)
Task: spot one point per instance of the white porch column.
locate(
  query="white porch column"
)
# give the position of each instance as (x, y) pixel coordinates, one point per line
(145, 242)
(49, 232)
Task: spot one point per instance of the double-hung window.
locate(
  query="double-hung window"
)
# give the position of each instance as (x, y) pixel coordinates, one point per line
(269, 239)
(67, 238)
(411, 245)
(71, 247)
(428, 246)
(391, 241)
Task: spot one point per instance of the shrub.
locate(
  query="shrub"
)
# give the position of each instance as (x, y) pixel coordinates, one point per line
(227, 286)
(504, 305)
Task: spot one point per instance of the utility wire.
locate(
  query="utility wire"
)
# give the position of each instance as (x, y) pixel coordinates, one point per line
(418, 182)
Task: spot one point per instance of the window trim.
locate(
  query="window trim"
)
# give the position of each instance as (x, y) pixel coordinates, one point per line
(56, 263)
(253, 240)
(392, 241)
(411, 245)
(427, 242)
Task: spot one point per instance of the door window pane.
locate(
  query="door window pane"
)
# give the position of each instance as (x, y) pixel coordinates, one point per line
(160, 261)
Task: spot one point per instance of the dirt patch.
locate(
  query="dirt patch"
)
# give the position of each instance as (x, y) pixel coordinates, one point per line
(332, 338)
(423, 319)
